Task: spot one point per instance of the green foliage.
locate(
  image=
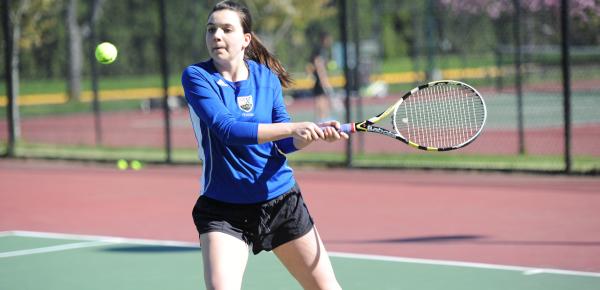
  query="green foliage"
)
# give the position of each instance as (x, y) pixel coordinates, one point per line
(397, 28)
(42, 32)
(282, 26)
(134, 27)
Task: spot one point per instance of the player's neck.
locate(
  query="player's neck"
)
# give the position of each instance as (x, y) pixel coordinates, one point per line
(233, 71)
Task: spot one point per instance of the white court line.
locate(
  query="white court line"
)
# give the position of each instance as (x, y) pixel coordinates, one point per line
(91, 241)
(118, 240)
(109, 239)
(6, 234)
(524, 270)
(52, 249)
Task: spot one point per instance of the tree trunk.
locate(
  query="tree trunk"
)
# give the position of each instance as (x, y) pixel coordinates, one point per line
(15, 79)
(77, 33)
(75, 51)
(16, 39)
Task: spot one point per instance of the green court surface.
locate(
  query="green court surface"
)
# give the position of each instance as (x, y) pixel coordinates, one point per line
(30, 260)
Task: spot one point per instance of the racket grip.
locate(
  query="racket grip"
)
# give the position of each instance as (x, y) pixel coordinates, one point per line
(348, 128)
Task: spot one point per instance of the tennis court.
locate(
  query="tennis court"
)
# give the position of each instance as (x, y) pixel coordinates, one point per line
(89, 226)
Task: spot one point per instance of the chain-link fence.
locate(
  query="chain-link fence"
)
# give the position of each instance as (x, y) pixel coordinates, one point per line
(513, 56)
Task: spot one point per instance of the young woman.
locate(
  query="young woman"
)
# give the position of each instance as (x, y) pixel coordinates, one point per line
(249, 197)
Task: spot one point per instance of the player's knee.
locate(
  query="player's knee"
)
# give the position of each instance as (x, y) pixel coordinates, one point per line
(333, 285)
(222, 284)
(225, 286)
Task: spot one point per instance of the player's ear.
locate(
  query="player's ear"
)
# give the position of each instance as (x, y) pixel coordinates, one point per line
(247, 40)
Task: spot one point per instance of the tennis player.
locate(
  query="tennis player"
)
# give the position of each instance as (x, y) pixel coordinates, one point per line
(249, 197)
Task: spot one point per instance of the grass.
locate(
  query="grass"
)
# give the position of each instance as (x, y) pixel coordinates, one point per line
(72, 107)
(98, 153)
(399, 64)
(405, 64)
(420, 160)
(50, 86)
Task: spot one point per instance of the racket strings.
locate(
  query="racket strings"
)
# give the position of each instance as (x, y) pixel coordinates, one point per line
(440, 116)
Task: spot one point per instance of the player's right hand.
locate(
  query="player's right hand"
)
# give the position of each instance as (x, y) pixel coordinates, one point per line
(307, 132)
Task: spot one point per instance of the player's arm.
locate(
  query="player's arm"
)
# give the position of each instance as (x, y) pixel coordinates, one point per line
(209, 107)
(300, 134)
(288, 136)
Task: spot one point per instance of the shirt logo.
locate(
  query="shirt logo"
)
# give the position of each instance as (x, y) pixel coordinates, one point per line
(245, 103)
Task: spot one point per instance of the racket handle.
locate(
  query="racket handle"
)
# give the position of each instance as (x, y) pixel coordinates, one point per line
(347, 128)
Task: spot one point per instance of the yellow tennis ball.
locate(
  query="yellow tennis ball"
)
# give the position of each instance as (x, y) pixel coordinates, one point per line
(106, 53)
(122, 164)
(136, 165)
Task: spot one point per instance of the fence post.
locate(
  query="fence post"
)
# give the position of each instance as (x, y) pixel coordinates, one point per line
(8, 69)
(518, 74)
(94, 76)
(566, 74)
(358, 70)
(343, 21)
(164, 67)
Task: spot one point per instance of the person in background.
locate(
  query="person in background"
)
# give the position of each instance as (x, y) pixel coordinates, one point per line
(322, 90)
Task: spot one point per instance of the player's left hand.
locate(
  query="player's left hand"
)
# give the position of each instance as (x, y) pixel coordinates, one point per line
(331, 129)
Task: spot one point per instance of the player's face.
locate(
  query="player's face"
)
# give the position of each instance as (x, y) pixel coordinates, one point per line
(225, 37)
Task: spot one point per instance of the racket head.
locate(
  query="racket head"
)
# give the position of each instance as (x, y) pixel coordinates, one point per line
(439, 116)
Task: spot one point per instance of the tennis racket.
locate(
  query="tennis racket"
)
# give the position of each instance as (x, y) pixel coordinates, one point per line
(438, 116)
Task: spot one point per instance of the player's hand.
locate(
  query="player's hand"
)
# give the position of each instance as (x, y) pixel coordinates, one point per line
(331, 129)
(307, 132)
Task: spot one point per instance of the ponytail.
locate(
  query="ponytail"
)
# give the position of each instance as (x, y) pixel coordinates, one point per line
(258, 52)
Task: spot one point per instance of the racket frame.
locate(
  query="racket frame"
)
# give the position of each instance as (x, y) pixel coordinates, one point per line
(368, 125)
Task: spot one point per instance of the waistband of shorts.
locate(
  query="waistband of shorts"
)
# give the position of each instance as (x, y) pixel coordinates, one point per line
(295, 189)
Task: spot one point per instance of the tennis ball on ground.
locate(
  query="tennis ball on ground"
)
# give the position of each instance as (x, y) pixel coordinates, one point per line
(122, 164)
(106, 53)
(136, 165)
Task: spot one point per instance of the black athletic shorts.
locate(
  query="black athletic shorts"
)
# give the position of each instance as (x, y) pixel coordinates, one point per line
(264, 226)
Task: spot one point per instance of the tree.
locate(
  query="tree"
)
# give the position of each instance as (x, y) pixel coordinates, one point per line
(281, 24)
(77, 32)
(582, 9)
(540, 17)
(25, 18)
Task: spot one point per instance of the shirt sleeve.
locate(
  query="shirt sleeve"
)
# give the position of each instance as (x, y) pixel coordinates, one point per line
(280, 115)
(210, 109)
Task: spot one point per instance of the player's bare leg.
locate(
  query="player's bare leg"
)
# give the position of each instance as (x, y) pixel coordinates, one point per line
(306, 259)
(224, 258)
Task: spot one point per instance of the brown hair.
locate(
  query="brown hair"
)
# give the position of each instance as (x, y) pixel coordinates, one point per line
(256, 50)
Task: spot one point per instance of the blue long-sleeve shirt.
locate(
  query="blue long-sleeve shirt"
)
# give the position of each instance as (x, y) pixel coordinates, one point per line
(225, 117)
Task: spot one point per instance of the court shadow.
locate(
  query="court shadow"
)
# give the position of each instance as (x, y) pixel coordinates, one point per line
(411, 240)
(431, 239)
(468, 239)
(149, 249)
(542, 243)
